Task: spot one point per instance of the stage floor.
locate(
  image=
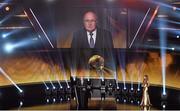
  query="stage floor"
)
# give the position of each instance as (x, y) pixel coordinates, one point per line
(92, 105)
(36, 97)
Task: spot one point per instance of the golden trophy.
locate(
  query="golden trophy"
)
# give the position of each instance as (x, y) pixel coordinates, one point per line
(96, 62)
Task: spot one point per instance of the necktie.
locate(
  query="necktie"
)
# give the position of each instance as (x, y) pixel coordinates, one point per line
(91, 40)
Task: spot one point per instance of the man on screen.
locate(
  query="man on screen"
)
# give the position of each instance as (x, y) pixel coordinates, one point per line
(91, 36)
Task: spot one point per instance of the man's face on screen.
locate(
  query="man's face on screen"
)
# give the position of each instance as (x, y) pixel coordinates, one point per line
(90, 21)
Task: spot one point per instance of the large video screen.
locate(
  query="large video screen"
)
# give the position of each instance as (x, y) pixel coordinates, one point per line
(110, 19)
(62, 19)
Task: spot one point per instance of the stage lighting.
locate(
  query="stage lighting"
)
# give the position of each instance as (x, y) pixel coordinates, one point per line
(174, 8)
(117, 99)
(132, 89)
(61, 90)
(124, 90)
(102, 82)
(177, 36)
(6, 75)
(47, 100)
(8, 47)
(110, 84)
(117, 90)
(173, 48)
(132, 101)
(54, 100)
(21, 103)
(163, 104)
(124, 100)
(54, 87)
(68, 98)
(164, 96)
(163, 43)
(138, 89)
(74, 78)
(117, 87)
(102, 79)
(21, 91)
(35, 39)
(61, 99)
(88, 82)
(68, 86)
(68, 90)
(7, 8)
(4, 35)
(61, 87)
(47, 88)
(73, 81)
(138, 92)
(47, 91)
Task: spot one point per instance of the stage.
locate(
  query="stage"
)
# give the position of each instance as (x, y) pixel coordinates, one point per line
(89, 55)
(36, 96)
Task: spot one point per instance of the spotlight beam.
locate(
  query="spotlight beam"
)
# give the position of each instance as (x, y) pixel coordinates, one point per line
(57, 78)
(29, 19)
(45, 84)
(170, 21)
(32, 23)
(76, 96)
(165, 5)
(169, 28)
(163, 71)
(121, 59)
(151, 20)
(6, 75)
(51, 82)
(41, 28)
(10, 28)
(61, 66)
(139, 28)
(163, 43)
(5, 35)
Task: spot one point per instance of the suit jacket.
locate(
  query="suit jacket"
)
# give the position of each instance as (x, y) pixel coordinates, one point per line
(103, 39)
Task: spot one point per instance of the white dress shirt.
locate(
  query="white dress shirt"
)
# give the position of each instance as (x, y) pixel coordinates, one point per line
(93, 36)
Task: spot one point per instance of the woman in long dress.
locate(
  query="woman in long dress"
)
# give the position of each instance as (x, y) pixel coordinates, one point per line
(145, 97)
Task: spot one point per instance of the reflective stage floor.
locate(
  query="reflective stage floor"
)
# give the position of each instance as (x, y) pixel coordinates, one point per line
(92, 105)
(36, 97)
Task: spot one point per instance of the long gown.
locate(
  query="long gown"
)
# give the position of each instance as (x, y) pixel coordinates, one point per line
(145, 98)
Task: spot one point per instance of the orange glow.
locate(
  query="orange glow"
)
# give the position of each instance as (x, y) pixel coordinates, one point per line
(30, 68)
